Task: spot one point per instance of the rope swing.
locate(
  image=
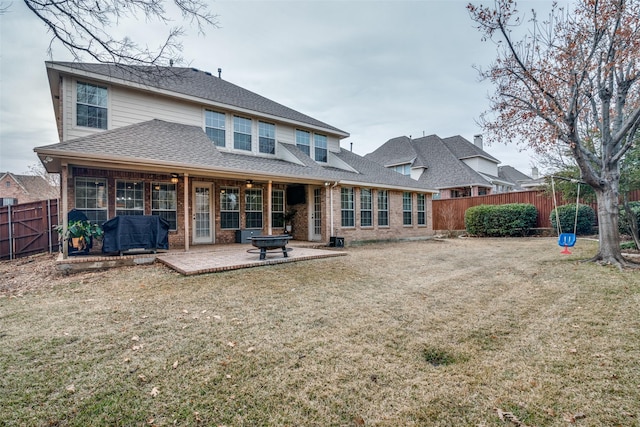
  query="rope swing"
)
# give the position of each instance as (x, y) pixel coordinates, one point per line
(566, 240)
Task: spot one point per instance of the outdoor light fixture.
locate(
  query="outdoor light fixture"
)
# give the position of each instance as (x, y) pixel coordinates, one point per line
(249, 183)
(47, 159)
(174, 178)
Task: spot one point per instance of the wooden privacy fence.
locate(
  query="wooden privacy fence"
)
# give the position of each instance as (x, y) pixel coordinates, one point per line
(28, 228)
(448, 214)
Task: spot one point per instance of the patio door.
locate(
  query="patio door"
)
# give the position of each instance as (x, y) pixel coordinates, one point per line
(316, 215)
(203, 225)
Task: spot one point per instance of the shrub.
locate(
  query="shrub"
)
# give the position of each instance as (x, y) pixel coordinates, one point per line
(515, 219)
(567, 214)
(623, 224)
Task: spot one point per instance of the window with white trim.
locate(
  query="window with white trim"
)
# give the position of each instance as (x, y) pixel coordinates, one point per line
(214, 126)
(407, 208)
(303, 141)
(253, 208)
(347, 207)
(129, 198)
(422, 210)
(320, 147)
(383, 208)
(366, 205)
(403, 169)
(241, 133)
(266, 138)
(91, 198)
(230, 208)
(277, 208)
(91, 105)
(164, 203)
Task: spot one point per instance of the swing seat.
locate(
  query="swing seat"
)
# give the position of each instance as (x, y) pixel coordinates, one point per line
(567, 240)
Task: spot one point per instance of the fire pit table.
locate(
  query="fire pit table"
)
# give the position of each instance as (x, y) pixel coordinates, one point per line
(267, 243)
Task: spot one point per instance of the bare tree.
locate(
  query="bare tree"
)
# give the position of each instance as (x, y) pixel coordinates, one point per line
(573, 80)
(84, 27)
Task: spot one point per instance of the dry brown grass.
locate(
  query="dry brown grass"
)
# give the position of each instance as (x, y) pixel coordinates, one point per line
(487, 332)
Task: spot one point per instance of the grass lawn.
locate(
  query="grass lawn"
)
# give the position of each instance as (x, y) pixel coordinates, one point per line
(462, 332)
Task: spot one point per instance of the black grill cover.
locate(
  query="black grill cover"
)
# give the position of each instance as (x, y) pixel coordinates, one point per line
(124, 232)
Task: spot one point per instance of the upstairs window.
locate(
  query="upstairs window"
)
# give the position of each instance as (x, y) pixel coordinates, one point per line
(91, 105)
(214, 126)
(267, 138)
(320, 147)
(241, 133)
(303, 141)
(403, 169)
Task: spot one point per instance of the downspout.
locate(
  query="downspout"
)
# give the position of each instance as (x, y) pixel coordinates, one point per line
(331, 203)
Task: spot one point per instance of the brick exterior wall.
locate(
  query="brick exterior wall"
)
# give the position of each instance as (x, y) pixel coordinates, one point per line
(301, 222)
(396, 230)
(10, 189)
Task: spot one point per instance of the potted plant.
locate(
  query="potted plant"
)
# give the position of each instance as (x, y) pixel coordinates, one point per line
(80, 234)
(288, 220)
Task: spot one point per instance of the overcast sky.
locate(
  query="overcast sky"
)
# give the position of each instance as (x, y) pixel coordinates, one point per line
(375, 69)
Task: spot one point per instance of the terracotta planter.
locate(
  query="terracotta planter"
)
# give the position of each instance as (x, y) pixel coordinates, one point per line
(78, 243)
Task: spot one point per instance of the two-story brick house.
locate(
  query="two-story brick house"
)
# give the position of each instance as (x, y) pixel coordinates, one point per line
(213, 158)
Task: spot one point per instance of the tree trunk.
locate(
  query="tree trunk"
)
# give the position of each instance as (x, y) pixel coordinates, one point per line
(609, 251)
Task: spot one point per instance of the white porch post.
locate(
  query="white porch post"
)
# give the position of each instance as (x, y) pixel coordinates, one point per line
(64, 178)
(187, 219)
(269, 208)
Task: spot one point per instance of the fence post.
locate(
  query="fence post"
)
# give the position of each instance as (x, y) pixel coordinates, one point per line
(49, 225)
(10, 232)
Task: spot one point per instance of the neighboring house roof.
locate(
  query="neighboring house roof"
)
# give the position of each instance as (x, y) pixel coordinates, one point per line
(464, 149)
(440, 158)
(168, 145)
(192, 83)
(33, 186)
(511, 174)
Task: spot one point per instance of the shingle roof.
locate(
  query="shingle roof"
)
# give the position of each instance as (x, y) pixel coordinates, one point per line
(35, 186)
(196, 83)
(440, 158)
(173, 145)
(443, 169)
(395, 151)
(511, 174)
(464, 149)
